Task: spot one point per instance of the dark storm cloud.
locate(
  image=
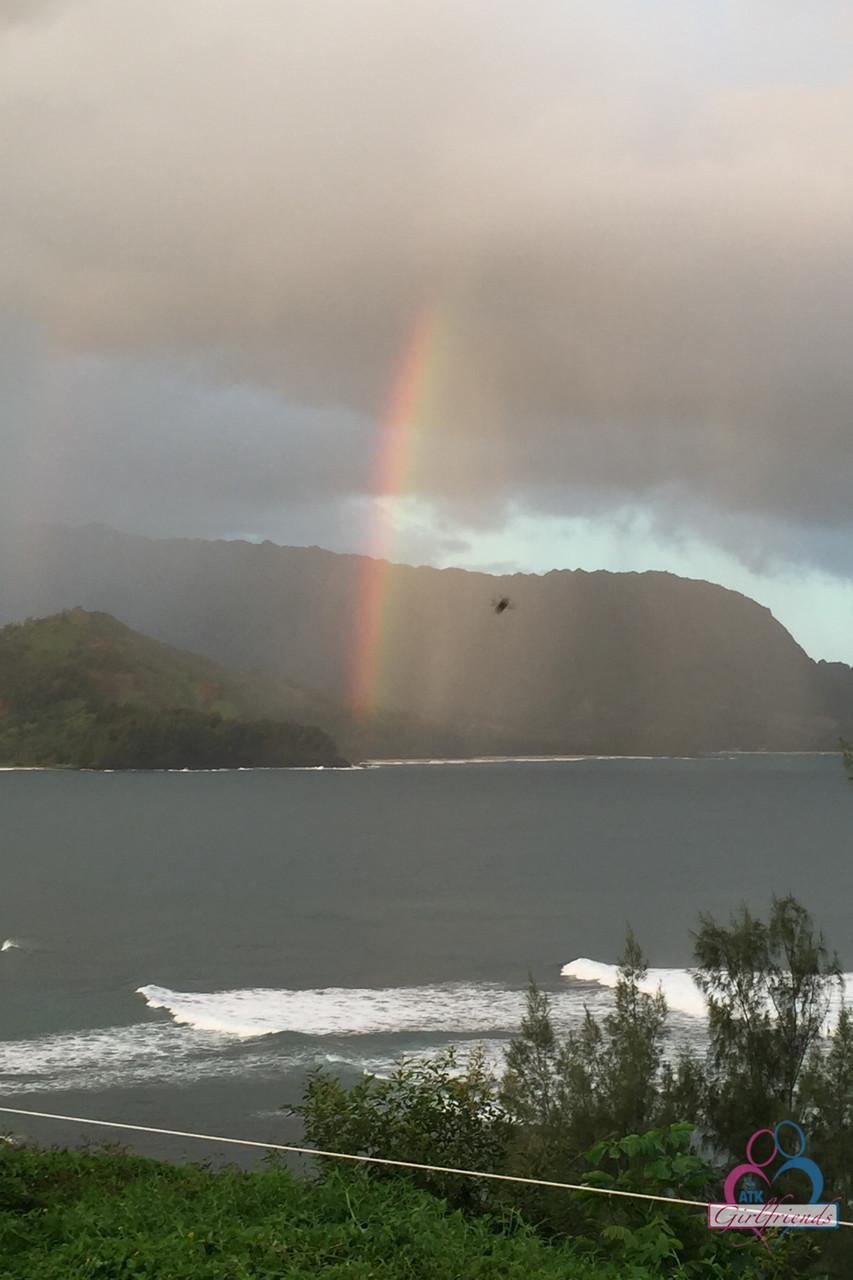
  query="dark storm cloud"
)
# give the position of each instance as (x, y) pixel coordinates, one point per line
(633, 223)
(124, 437)
(154, 447)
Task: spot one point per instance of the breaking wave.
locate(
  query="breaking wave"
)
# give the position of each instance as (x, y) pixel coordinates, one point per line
(453, 1009)
(263, 1032)
(450, 1008)
(681, 992)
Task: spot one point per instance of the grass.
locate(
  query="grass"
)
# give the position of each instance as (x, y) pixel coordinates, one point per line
(66, 1215)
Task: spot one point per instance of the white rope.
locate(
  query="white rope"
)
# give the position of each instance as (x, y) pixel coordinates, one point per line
(345, 1155)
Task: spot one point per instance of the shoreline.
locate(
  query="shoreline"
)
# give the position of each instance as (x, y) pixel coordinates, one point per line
(396, 761)
(728, 754)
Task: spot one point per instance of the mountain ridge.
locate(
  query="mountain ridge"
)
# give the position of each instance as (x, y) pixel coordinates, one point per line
(588, 661)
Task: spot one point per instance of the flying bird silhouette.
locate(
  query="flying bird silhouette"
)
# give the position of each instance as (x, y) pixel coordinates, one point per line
(501, 605)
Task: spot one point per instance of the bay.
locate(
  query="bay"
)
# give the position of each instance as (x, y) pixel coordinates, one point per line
(184, 946)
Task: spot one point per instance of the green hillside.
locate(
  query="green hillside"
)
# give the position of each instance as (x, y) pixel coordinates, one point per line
(81, 689)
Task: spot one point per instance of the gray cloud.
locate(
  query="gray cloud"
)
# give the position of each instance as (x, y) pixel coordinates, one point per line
(633, 226)
(14, 12)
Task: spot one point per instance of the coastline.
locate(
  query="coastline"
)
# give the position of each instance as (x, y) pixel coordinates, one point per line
(397, 761)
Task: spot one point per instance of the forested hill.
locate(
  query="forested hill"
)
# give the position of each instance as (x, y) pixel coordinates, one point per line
(81, 689)
(636, 663)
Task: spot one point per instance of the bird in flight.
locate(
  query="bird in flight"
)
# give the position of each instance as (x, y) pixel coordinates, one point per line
(501, 605)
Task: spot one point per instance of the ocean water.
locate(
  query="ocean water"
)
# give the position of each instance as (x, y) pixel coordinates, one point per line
(178, 949)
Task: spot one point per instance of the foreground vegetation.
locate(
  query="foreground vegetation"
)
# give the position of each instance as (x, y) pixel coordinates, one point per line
(613, 1104)
(82, 690)
(72, 1216)
(608, 1107)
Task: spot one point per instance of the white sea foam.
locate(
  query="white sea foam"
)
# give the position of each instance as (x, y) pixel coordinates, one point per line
(377, 764)
(163, 1053)
(218, 1034)
(380, 1064)
(445, 1009)
(237, 768)
(681, 992)
(453, 1008)
(123, 1056)
(268, 1032)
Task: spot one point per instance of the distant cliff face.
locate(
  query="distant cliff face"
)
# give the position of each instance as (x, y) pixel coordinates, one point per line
(583, 662)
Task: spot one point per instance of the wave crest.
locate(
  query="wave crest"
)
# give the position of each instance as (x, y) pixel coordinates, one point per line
(678, 986)
(453, 1008)
(682, 994)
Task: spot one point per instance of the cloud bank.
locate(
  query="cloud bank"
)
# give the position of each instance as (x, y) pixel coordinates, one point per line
(633, 223)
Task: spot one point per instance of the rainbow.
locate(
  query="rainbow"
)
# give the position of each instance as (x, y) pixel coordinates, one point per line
(395, 455)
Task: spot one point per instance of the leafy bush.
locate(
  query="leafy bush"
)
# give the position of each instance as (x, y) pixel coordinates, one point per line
(670, 1239)
(429, 1112)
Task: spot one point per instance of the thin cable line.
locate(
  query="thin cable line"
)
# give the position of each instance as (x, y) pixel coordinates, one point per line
(345, 1155)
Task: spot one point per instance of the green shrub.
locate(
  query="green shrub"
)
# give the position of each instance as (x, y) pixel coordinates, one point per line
(429, 1112)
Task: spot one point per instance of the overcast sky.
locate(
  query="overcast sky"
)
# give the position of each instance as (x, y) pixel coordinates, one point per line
(631, 222)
